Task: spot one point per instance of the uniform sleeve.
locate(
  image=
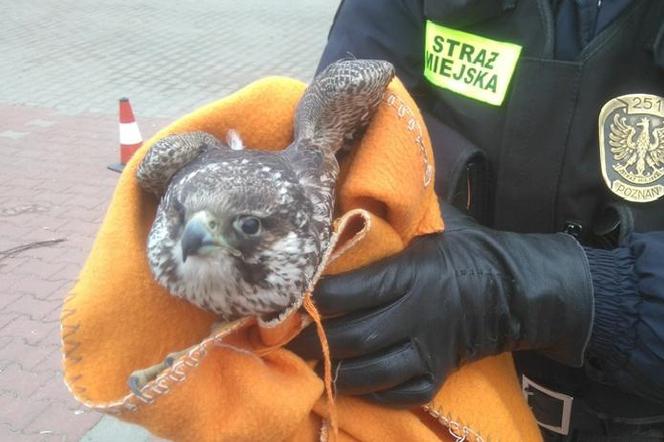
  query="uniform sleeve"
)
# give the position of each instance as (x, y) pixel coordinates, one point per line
(627, 344)
(391, 30)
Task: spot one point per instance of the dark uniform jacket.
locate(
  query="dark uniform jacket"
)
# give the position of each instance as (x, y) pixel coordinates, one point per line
(533, 162)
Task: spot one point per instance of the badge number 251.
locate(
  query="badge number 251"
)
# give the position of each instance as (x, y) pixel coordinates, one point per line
(648, 103)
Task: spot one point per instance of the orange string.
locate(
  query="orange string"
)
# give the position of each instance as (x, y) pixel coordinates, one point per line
(327, 362)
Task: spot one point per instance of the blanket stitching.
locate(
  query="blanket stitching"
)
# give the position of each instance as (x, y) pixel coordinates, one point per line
(453, 426)
(412, 125)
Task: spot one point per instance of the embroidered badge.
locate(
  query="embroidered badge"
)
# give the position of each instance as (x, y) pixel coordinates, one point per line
(468, 64)
(631, 145)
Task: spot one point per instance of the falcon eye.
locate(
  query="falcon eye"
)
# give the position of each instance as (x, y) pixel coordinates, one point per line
(248, 225)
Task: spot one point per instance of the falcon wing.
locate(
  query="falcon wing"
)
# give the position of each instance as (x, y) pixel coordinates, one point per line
(169, 155)
(340, 102)
(621, 139)
(655, 155)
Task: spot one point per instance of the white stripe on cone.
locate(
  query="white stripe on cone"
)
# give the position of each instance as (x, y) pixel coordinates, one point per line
(130, 134)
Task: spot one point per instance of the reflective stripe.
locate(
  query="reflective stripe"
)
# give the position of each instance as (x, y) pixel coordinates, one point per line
(468, 64)
(130, 134)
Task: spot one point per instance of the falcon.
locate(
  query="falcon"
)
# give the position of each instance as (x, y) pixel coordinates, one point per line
(241, 232)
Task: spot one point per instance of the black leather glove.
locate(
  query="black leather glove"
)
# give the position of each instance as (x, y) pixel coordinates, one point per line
(406, 322)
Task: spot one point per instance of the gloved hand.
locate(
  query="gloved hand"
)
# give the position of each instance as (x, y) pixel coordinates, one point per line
(401, 325)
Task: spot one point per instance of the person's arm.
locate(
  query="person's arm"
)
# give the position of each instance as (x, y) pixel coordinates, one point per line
(451, 298)
(627, 345)
(471, 291)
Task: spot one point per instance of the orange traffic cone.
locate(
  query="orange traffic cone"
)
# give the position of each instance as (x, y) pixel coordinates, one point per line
(130, 135)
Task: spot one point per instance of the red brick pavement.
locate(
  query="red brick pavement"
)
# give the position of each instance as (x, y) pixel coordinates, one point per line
(53, 185)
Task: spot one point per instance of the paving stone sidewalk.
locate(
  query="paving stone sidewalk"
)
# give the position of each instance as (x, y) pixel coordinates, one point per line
(65, 64)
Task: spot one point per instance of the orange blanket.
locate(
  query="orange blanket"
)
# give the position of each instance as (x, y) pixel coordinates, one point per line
(240, 384)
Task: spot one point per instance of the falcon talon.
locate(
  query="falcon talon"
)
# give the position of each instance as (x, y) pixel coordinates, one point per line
(140, 378)
(135, 386)
(172, 358)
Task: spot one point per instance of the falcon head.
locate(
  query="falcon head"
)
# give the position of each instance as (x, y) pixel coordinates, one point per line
(233, 232)
(225, 208)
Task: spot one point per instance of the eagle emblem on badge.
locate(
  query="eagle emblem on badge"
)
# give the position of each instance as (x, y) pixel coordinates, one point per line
(631, 141)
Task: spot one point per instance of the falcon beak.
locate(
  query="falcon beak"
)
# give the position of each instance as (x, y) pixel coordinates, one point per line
(196, 236)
